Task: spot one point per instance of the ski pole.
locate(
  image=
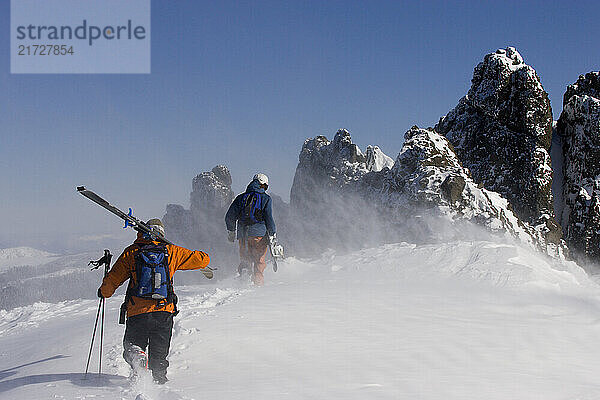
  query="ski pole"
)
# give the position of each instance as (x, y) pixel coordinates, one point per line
(107, 257)
(101, 306)
(101, 337)
(93, 336)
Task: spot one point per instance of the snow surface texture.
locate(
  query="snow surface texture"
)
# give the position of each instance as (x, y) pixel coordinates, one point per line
(579, 129)
(501, 131)
(462, 320)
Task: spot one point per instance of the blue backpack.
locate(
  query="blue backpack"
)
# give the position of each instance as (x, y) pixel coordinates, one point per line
(252, 212)
(153, 280)
(152, 272)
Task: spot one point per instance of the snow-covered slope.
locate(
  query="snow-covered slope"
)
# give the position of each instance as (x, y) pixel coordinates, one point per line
(461, 320)
(42, 276)
(18, 256)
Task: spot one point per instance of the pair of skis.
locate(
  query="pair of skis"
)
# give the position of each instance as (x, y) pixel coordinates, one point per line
(133, 222)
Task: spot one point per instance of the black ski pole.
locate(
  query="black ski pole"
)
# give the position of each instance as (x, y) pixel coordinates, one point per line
(106, 261)
(87, 365)
(101, 338)
(107, 257)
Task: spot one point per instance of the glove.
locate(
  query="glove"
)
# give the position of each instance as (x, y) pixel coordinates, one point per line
(276, 248)
(100, 293)
(273, 239)
(231, 236)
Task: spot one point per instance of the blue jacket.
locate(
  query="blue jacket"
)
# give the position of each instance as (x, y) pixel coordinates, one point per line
(234, 214)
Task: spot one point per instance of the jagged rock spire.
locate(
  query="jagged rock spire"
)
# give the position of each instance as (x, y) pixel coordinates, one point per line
(502, 131)
(579, 129)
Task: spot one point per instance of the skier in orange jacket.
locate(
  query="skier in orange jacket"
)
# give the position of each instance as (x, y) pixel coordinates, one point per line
(149, 318)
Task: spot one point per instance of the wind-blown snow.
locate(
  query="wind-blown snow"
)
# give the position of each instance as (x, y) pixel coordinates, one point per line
(462, 320)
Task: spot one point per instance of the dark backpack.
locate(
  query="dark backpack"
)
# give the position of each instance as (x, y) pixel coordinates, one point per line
(153, 280)
(152, 272)
(252, 212)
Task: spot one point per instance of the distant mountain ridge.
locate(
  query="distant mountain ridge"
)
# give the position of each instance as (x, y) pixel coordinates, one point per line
(16, 256)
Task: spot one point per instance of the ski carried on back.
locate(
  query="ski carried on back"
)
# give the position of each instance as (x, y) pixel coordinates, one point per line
(133, 222)
(129, 219)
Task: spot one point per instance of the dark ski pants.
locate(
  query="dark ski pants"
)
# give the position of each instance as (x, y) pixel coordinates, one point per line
(153, 331)
(253, 251)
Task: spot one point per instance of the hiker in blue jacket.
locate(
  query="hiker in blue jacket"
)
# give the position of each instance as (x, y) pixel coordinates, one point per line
(251, 214)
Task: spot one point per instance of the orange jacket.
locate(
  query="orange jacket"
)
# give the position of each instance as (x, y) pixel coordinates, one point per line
(124, 268)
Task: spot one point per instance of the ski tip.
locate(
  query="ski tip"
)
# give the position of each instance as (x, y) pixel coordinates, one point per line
(80, 188)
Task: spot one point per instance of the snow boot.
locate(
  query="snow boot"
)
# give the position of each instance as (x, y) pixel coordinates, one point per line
(139, 360)
(160, 377)
(136, 358)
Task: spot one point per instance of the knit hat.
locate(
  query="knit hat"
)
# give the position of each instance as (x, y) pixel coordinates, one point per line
(157, 224)
(262, 179)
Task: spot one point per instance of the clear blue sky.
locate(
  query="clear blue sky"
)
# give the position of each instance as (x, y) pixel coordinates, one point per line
(244, 84)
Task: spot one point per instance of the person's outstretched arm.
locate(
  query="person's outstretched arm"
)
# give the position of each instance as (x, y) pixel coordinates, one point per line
(182, 258)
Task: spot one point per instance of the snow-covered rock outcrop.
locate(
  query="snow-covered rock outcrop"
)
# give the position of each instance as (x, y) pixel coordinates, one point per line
(211, 190)
(377, 160)
(336, 191)
(501, 131)
(429, 175)
(579, 129)
(338, 166)
(329, 207)
(202, 226)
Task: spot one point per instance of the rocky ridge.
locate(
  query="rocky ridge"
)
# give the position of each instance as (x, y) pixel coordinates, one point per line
(486, 161)
(202, 226)
(335, 166)
(426, 178)
(579, 130)
(428, 174)
(501, 131)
